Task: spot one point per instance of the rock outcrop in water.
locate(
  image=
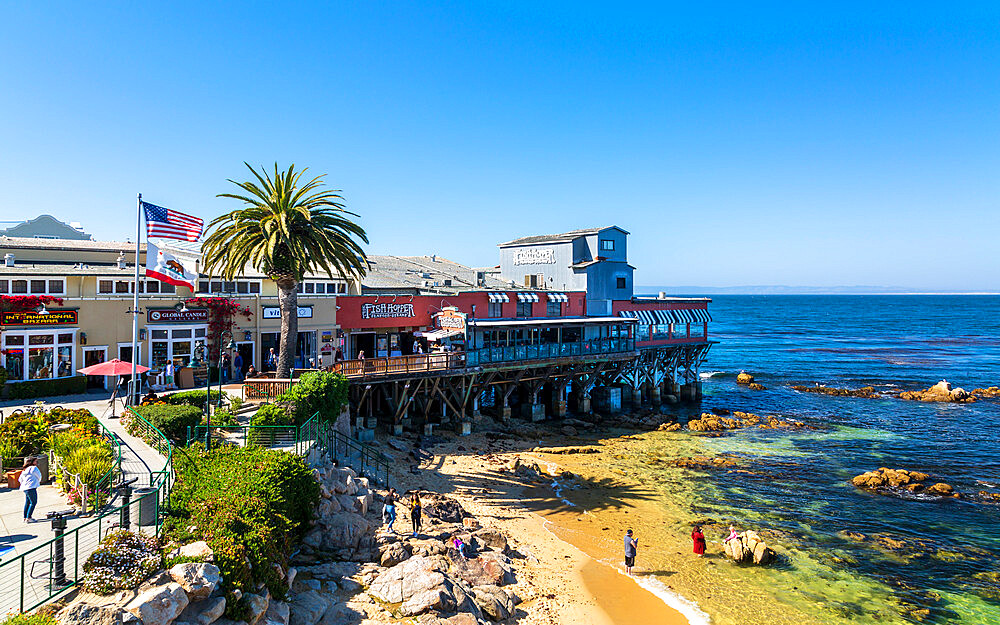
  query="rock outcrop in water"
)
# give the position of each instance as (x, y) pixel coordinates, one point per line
(744, 378)
(940, 392)
(709, 422)
(749, 547)
(867, 392)
(990, 392)
(888, 481)
(753, 386)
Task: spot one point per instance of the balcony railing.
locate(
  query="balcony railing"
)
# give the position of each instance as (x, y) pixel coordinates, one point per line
(519, 353)
(415, 363)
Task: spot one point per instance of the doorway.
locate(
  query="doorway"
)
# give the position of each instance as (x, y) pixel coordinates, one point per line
(95, 356)
(245, 350)
(305, 350)
(362, 342)
(269, 341)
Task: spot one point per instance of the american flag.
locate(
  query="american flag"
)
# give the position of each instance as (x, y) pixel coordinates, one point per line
(169, 224)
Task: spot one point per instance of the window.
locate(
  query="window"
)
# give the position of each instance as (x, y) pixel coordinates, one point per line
(216, 286)
(219, 287)
(167, 288)
(242, 287)
(310, 287)
(620, 282)
(495, 310)
(4, 286)
(19, 286)
(607, 245)
(553, 309)
(152, 286)
(104, 286)
(254, 288)
(38, 355)
(524, 309)
(56, 287)
(122, 287)
(447, 282)
(203, 286)
(38, 287)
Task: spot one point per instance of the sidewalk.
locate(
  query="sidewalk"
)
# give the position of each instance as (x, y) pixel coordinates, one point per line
(138, 460)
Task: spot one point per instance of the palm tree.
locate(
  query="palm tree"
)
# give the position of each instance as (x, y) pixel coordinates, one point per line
(285, 231)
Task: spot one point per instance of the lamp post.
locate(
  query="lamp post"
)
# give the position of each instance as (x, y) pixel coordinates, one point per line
(200, 354)
(227, 345)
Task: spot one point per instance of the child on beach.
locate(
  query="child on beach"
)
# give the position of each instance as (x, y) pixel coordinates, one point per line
(732, 534)
(631, 544)
(698, 538)
(459, 546)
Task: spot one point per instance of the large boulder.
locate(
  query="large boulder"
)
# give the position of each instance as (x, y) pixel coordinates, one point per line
(257, 607)
(277, 613)
(344, 530)
(394, 554)
(749, 547)
(307, 608)
(84, 613)
(492, 538)
(744, 378)
(198, 579)
(198, 550)
(203, 612)
(496, 604)
(399, 583)
(488, 568)
(161, 605)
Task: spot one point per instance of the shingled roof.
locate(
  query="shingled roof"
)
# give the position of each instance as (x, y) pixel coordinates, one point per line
(557, 238)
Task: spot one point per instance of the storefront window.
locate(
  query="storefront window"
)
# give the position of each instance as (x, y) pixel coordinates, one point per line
(14, 363)
(661, 332)
(160, 352)
(182, 353)
(65, 364)
(39, 363)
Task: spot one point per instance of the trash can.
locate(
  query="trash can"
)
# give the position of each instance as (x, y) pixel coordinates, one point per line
(144, 507)
(42, 462)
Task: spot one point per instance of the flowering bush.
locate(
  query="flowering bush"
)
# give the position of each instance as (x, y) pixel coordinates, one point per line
(249, 504)
(31, 619)
(29, 432)
(221, 314)
(122, 561)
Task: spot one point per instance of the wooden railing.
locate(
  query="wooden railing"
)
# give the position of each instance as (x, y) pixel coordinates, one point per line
(265, 388)
(415, 363)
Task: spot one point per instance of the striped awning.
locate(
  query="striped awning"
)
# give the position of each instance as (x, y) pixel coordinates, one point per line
(499, 298)
(527, 297)
(664, 317)
(558, 297)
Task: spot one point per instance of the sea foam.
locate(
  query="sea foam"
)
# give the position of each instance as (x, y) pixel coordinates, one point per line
(711, 374)
(694, 614)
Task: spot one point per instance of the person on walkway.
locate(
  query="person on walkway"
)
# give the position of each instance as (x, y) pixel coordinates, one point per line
(631, 544)
(224, 368)
(238, 367)
(389, 510)
(29, 480)
(168, 375)
(272, 360)
(415, 511)
(698, 538)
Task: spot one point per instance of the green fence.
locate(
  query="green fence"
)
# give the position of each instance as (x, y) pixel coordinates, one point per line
(54, 567)
(344, 450)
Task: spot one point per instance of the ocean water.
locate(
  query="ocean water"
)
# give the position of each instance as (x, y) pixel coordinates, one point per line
(847, 556)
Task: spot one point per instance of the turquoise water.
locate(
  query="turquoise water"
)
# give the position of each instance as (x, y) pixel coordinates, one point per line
(938, 560)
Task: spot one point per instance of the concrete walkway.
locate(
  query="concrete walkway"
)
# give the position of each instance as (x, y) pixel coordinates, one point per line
(138, 460)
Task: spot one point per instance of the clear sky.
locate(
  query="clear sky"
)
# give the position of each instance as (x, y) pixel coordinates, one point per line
(830, 145)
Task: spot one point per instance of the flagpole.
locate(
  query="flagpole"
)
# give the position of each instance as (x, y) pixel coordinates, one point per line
(135, 300)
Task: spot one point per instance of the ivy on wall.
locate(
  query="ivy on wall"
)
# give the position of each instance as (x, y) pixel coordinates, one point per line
(222, 316)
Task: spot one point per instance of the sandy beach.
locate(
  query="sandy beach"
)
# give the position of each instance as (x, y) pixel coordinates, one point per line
(570, 578)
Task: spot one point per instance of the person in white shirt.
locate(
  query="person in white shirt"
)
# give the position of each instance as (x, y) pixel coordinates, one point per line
(30, 479)
(168, 375)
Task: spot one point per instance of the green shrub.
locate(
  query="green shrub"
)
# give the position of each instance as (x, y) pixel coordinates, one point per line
(122, 561)
(29, 433)
(317, 391)
(249, 504)
(173, 421)
(224, 418)
(194, 398)
(31, 619)
(48, 388)
(273, 414)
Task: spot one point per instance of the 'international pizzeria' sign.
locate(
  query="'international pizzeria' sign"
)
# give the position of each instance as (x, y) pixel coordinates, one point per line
(51, 318)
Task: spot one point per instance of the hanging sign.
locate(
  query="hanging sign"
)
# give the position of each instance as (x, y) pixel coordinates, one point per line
(274, 312)
(51, 318)
(450, 319)
(170, 315)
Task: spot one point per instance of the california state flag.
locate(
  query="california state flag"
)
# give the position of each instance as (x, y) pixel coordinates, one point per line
(166, 267)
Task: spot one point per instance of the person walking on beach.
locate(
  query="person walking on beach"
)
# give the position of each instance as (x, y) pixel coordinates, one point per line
(389, 510)
(631, 544)
(29, 480)
(698, 538)
(415, 513)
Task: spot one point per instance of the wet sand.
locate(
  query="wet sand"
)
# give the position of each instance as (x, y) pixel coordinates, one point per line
(564, 582)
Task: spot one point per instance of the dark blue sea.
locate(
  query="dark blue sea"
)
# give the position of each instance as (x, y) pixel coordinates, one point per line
(930, 560)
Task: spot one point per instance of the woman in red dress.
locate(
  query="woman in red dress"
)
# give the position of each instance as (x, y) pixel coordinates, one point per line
(699, 541)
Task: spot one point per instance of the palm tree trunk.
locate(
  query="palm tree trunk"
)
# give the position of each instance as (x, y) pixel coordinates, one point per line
(288, 301)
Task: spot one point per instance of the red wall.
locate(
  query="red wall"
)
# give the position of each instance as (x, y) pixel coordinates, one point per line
(349, 311)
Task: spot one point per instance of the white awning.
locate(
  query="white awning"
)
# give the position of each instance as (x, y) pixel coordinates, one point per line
(527, 297)
(498, 298)
(664, 317)
(558, 297)
(437, 335)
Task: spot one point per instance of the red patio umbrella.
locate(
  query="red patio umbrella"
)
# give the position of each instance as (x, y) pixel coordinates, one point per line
(113, 367)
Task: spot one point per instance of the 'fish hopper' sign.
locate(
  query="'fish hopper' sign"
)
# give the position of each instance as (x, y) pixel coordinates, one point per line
(386, 311)
(51, 318)
(170, 315)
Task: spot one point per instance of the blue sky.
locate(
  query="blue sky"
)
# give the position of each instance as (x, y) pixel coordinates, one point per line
(849, 144)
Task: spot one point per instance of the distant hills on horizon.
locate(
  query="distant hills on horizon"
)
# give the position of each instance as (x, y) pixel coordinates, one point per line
(779, 289)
